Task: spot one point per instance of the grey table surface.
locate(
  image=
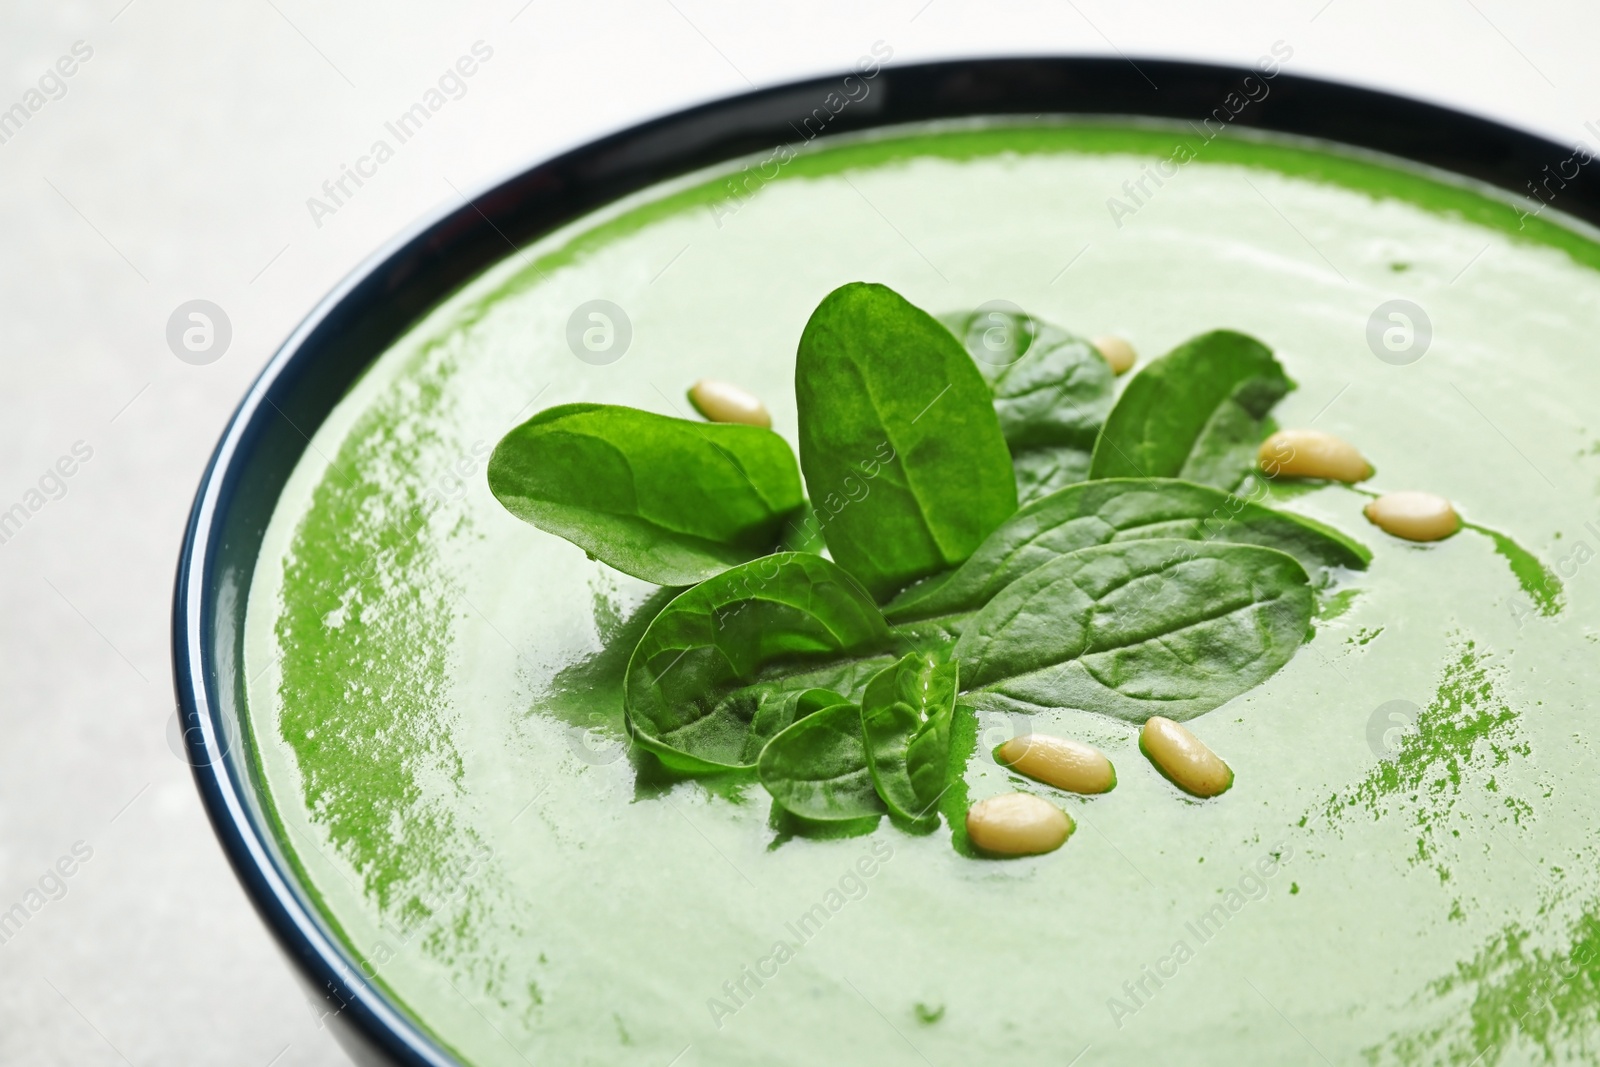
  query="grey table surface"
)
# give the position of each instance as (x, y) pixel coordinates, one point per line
(176, 162)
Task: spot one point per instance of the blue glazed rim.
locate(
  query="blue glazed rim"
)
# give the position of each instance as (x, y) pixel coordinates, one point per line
(399, 284)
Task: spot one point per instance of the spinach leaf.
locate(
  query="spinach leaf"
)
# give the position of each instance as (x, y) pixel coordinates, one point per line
(905, 717)
(1042, 471)
(889, 402)
(663, 499)
(1141, 628)
(1052, 392)
(1121, 509)
(727, 664)
(817, 768)
(787, 691)
(962, 739)
(994, 336)
(786, 826)
(1197, 413)
(814, 700)
(1049, 387)
(928, 757)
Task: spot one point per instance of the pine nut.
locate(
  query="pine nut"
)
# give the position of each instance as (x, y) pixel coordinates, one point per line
(1017, 824)
(1312, 454)
(1070, 765)
(726, 402)
(1117, 352)
(1414, 515)
(1183, 758)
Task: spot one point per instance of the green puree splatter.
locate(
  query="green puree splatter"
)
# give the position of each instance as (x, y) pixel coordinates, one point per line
(1330, 608)
(365, 641)
(1537, 580)
(1548, 999)
(1544, 1000)
(1467, 730)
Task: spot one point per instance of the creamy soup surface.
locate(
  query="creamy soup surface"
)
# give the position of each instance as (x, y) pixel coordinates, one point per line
(1405, 867)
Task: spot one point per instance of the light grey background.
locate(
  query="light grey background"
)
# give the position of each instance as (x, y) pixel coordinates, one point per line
(177, 166)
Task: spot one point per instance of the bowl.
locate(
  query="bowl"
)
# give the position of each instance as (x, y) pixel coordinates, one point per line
(398, 285)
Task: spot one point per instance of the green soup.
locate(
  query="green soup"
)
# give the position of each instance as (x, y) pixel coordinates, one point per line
(1404, 868)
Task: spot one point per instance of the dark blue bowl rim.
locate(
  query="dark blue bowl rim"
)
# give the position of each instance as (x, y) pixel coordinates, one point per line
(400, 282)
